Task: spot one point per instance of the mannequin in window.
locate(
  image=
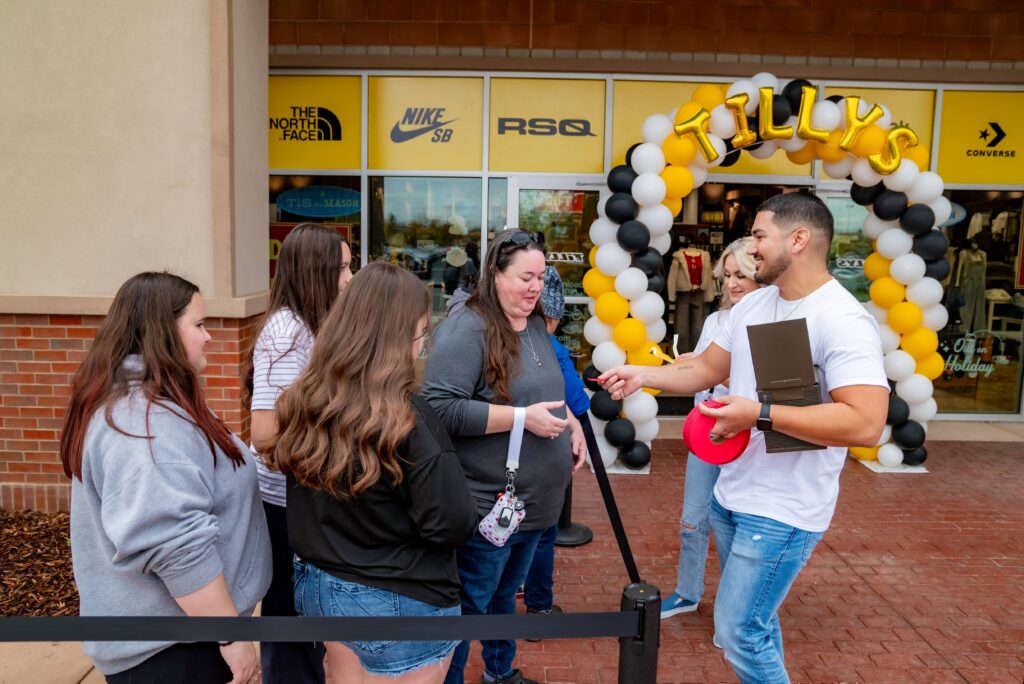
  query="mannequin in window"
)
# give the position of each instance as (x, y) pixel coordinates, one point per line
(970, 278)
(690, 286)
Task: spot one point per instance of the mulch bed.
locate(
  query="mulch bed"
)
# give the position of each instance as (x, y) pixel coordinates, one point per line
(35, 565)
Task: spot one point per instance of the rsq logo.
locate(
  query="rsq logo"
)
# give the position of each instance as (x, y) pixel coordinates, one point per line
(308, 123)
(569, 128)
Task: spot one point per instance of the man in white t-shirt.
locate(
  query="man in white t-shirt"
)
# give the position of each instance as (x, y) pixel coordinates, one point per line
(770, 510)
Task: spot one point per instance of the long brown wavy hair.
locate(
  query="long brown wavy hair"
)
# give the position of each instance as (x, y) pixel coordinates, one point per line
(343, 420)
(143, 321)
(305, 283)
(501, 360)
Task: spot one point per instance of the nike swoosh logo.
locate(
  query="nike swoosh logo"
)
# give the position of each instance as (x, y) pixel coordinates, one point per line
(400, 136)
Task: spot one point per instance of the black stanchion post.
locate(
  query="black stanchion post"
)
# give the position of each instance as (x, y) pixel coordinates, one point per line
(571, 534)
(638, 655)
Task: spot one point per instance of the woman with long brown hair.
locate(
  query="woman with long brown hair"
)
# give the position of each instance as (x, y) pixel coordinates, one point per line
(313, 266)
(492, 360)
(377, 501)
(165, 510)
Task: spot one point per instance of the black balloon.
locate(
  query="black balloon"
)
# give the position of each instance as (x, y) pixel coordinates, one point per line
(604, 407)
(910, 435)
(866, 195)
(931, 246)
(655, 282)
(649, 261)
(836, 98)
(915, 457)
(731, 158)
(621, 207)
(937, 268)
(794, 91)
(590, 375)
(781, 111)
(619, 432)
(637, 455)
(620, 178)
(918, 219)
(633, 236)
(889, 205)
(899, 411)
(629, 152)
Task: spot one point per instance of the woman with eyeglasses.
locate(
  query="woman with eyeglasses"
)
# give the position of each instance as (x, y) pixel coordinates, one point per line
(377, 501)
(487, 360)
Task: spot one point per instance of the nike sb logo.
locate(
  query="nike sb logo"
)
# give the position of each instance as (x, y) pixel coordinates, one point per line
(424, 120)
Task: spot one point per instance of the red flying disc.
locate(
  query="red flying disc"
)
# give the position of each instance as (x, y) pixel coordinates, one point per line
(697, 435)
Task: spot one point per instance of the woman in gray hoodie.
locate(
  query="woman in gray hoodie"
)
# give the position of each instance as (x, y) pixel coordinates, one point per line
(165, 509)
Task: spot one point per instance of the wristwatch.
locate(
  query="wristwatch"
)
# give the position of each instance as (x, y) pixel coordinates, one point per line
(764, 421)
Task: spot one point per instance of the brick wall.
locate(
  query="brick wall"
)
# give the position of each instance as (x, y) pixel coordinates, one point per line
(991, 30)
(38, 357)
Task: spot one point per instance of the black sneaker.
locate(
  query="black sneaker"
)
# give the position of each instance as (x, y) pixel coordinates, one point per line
(553, 610)
(515, 678)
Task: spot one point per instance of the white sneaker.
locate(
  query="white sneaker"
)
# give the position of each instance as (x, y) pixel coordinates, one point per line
(714, 641)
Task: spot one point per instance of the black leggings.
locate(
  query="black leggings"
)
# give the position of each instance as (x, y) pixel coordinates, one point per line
(199, 663)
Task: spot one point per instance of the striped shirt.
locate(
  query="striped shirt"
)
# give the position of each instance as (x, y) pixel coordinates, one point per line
(279, 357)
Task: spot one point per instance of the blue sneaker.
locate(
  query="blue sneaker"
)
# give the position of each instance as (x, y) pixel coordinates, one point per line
(676, 604)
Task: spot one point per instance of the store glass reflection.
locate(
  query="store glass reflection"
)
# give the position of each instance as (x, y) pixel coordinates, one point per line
(850, 247)
(564, 218)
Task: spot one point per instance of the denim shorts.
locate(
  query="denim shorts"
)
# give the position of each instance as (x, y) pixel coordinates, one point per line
(321, 594)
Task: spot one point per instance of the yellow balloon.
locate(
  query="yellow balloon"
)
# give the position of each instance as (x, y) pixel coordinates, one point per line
(904, 317)
(679, 151)
(642, 356)
(596, 283)
(875, 266)
(689, 110)
(611, 308)
(865, 453)
(917, 154)
(870, 141)
(674, 204)
(830, 151)
(931, 366)
(887, 292)
(804, 155)
(708, 96)
(920, 343)
(630, 334)
(591, 256)
(678, 181)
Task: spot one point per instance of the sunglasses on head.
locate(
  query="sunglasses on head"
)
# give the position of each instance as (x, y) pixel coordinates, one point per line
(520, 238)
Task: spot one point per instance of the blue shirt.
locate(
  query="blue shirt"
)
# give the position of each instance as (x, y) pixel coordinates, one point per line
(575, 396)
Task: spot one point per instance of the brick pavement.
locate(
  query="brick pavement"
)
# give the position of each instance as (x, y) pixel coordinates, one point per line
(919, 579)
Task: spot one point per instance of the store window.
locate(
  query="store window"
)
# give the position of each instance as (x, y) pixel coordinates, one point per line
(497, 206)
(850, 247)
(430, 226)
(333, 201)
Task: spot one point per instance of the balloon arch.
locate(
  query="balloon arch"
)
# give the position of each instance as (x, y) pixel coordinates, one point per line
(854, 140)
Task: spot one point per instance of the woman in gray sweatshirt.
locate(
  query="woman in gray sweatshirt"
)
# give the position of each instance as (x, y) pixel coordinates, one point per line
(165, 509)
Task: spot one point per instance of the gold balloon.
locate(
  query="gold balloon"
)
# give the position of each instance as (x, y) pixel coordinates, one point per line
(887, 292)
(687, 111)
(865, 453)
(804, 155)
(592, 256)
(679, 151)
(678, 181)
(596, 283)
(920, 343)
(918, 155)
(931, 366)
(904, 317)
(856, 124)
(830, 151)
(674, 204)
(769, 131)
(876, 266)
(612, 308)
(642, 356)
(630, 334)
(804, 129)
(738, 104)
(888, 160)
(869, 141)
(697, 126)
(708, 96)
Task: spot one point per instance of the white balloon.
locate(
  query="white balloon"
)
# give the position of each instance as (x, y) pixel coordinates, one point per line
(602, 231)
(640, 407)
(878, 313)
(612, 259)
(902, 179)
(596, 331)
(864, 175)
(886, 435)
(890, 338)
(658, 219)
(942, 208)
(648, 158)
(748, 87)
(914, 389)
(765, 150)
(601, 202)
(662, 243)
(890, 455)
(631, 283)
(656, 128)
(894, 242)
(592, 308)
(647, 432)
(899, 365)
(874, 226)
(886, 121)
(657, 330)
(839, 169)
(825, 115)
(700, 175)
(765, 80)
(648, 307)
(927, 187)
(722, 123)
(935, 317)
(926, 292)
(924, 411)
(794, 143)
(907, 269)
(648, 189)
(607, 355)
(719, 146)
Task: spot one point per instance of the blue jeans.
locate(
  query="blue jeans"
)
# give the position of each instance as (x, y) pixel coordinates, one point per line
(538, 590)
(490, 577)
(695, 527)
(761, 559)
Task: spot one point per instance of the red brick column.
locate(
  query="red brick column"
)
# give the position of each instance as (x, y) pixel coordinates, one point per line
(39, 354)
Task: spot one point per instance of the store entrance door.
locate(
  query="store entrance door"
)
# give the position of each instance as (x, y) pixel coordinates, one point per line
(561, 209)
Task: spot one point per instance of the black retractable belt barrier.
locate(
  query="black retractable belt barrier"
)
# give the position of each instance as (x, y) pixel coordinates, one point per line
(638, 655)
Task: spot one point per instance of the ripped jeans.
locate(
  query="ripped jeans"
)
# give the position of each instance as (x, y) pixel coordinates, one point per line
(695, 527)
